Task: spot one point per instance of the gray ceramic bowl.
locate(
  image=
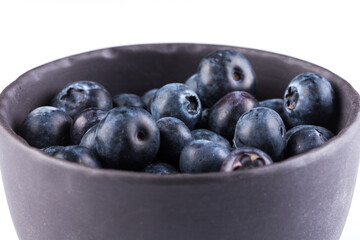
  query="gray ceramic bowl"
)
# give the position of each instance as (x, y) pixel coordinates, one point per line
(305, 197)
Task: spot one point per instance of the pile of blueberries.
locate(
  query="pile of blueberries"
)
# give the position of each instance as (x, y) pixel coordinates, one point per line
(210, 123)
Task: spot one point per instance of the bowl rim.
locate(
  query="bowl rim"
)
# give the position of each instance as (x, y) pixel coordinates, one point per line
(201, 178)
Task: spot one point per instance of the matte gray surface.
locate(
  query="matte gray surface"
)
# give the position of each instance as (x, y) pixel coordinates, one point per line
(305, 197)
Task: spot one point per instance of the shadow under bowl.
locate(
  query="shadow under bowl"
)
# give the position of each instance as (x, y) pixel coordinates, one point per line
(305, 197)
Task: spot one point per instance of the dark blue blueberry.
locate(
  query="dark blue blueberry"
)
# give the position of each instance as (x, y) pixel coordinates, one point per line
(225, 113)
(46, 126)
(202, 156)
(203, 123)
(52, 150)
(327, 133)
(275, 104)
(148, 97)
(245, 158)
(304, 140)
(192, 82)
(160, 168)
(127, 138)
(261, 128)
(179, 101)
(224, 71)
(206, 134)
(309, 99)
(88, 139)
(78, 154)
(83, 121)
(77, 96)
(128, 100)
(174, 136)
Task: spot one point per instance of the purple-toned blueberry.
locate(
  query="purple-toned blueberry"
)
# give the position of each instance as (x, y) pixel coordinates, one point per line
(224, 71)
(160, 168)
(46, 126)
(309, 99)
(127, 138)
(174, 136)
(192, 82)
(179, 101)
(206, 134)
(78, 154)
(202, 156)
(261, 128)
(83, 121)
(77, 96)
(225, 113)
(324, 131)
(88, 139)
(304, 140)
(245, 158)
(128, 100)
(148, 97)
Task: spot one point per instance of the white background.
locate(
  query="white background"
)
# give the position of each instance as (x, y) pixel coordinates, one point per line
(323, 32)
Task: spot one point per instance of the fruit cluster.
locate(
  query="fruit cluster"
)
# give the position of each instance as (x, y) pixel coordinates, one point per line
(210, 123)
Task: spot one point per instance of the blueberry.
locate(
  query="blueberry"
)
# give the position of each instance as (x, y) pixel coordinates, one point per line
(160, 168)
(261, 128)
(304, 140)
(46, 126)
(327, 133)
(88, 139)
(224, 71)
(77, 96)
(245, 158)
(225, 113)
(309, 99)
(203, 122)
(52, 150)
(179, 101)
(206, 134)
(128, 100)
(202, 156)
(174, 136)
(148, 97)
(275, 104)
(78, 154)
(127, 138)
(83, 121)
(192, 82)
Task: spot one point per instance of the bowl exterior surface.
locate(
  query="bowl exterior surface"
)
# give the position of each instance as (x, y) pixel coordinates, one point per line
(305, 197)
